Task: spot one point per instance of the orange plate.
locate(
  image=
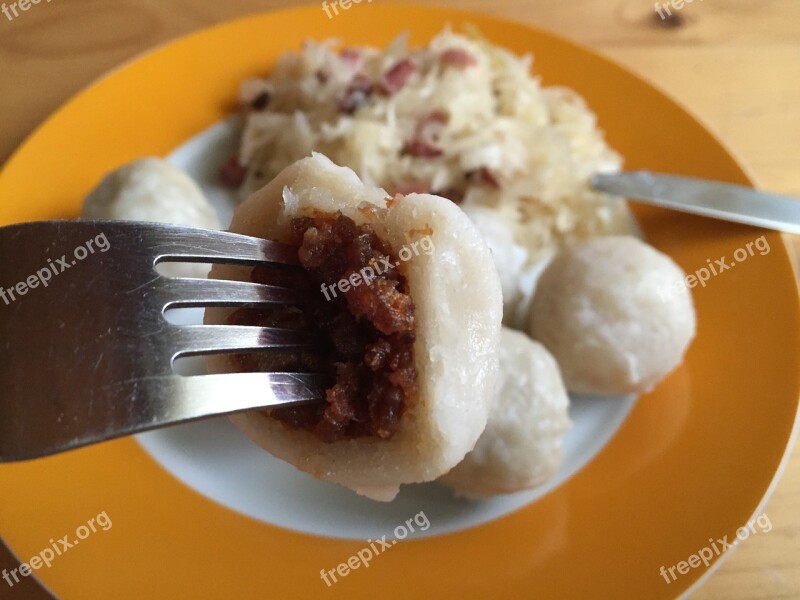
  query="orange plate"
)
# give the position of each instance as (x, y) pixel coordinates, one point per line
(692, 462)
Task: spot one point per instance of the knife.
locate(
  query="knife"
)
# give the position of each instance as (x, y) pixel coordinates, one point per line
(703, 197)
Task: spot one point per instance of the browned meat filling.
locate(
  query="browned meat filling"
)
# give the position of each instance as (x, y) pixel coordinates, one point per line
(367, 330)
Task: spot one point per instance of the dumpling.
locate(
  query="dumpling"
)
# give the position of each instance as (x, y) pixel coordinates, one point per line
(610, 312)
(521, 446)
(409, 306)
(152, 189)
(517, 273)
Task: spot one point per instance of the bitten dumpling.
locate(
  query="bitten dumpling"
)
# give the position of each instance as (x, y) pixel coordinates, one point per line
(610, 312)
(521, 446)
(408, 306)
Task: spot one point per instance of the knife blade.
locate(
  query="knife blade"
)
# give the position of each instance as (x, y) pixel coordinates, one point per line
(704, 197)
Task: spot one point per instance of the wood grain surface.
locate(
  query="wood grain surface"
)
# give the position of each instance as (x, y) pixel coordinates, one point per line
(733, 63)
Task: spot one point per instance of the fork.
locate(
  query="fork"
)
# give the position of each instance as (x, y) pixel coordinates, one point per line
(86, 354)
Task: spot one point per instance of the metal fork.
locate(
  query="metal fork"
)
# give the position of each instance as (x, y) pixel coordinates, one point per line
(86, 354)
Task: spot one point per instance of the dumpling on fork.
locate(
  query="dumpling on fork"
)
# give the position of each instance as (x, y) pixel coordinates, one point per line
(407, 305)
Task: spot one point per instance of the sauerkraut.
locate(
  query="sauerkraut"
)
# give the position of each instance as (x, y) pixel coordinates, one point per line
(461, 118)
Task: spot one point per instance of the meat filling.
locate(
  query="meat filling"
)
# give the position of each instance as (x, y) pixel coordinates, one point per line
(367, 330)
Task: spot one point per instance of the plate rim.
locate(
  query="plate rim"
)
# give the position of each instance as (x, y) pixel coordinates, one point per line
(11, 161)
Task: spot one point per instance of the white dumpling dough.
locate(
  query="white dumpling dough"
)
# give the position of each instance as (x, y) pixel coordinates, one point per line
(512, 261)
(521, 446)
(152, 189)
(610, 312)
(458, 302)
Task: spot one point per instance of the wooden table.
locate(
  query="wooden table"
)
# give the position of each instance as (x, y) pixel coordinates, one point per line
(734, 63)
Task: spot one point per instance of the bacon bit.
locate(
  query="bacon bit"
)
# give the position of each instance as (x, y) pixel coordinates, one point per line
(360, 83)
(483, 175)
(355, 58)
(356, 94)
(421, 148)
(426, 133)
(488, 177)
(428, 128)
(452, 194)
(350, 54)
(350, 104)
(322, 75)
(457, 57)
(250, 89)
(232, 173)
(395, 78)
(438, 115)
(418, 187)
(261, 101)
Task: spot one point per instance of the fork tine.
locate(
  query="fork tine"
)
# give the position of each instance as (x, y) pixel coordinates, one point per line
(186, 244)
(195, 340)
(252, 390)
(181, 292)
(199, 396)
(155, 402)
